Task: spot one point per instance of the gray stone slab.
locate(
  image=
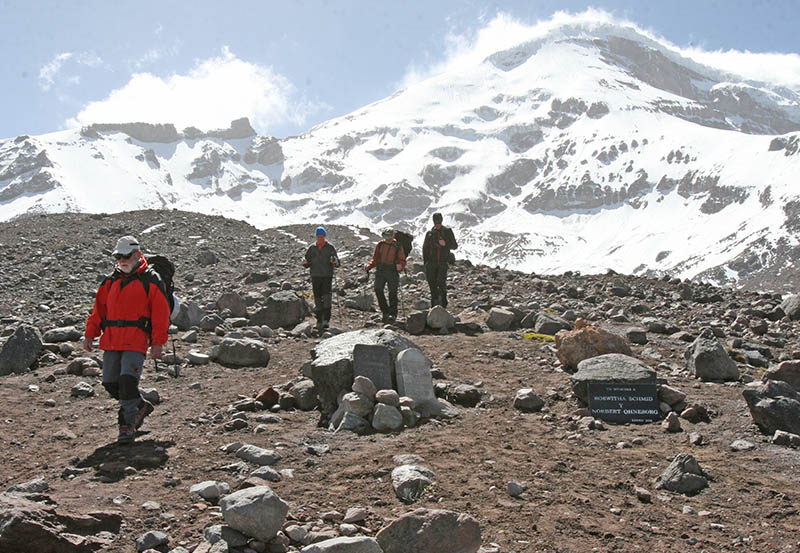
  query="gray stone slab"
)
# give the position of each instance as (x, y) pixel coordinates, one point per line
(413, 371)
(375, 363)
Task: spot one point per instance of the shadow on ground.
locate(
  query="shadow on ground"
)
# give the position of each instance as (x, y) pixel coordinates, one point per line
(113, 462)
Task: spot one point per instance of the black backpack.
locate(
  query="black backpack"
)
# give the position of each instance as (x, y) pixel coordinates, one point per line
(405, 240)
(166, 270)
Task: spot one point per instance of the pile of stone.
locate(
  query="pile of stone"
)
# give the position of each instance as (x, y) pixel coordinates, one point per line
(374, 380)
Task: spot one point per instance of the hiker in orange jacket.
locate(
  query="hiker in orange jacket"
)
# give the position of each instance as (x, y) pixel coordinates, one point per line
(130, 314)
(389, 259)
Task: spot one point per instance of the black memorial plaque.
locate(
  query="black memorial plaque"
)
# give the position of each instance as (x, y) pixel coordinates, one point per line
(374, 362)
(621, 402)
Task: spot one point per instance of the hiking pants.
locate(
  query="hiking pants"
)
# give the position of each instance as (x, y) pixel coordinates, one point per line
(322, 287)
(387, 275)
(122, 371)
(436, 273)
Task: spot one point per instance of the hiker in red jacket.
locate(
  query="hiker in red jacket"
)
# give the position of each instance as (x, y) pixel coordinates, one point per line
(390, 260)
(436, 256)
(130, 314)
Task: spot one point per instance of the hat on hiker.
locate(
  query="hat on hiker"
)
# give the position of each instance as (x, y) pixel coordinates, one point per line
(126, 245)
(387, 233)
(320, 230)
(437, 218)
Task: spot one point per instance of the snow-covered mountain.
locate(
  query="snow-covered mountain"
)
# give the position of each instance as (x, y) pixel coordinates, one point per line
(588, 148)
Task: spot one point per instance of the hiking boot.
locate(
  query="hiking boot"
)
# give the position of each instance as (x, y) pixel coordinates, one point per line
(144, 410)
(385, 318)
(391, 319)
(127, 433)
(326, 324)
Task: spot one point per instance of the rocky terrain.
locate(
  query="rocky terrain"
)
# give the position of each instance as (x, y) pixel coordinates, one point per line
(534, 477)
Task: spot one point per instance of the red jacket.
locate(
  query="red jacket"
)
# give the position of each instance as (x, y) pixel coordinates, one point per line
(124, 301)
(388, 253)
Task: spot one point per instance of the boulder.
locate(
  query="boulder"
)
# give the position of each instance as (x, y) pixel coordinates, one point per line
(527, 401)
(332, 366)
(774, 405)
(431, 531)
(355, 544)
(30, 527)
(708, 360)
(547, 323)
(786, 371)
(234, 303)
(416, 322)
(258, 455)
(611, 368)
(305, 394)
(283, 309)
(189, 314)
(500, 319)
(683, 475)
(386, 418)
(411, 481)
(20, 350)
(791, 307)
(438, 317)
(659, 326)
(62, 334)
(573, 346)
(257, 512)
(241, 352)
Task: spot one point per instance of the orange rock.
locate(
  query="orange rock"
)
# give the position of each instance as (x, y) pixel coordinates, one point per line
(588, 341)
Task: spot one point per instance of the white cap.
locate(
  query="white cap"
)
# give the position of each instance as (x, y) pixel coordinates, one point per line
(126, 245)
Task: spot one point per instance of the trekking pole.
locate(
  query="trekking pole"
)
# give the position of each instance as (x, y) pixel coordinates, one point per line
(175, 360)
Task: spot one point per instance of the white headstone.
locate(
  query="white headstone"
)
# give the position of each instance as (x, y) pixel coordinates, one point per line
(414, 376)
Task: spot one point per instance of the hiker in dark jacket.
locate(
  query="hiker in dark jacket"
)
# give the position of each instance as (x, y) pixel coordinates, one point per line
(389, 259)
(436, 256)
(132, 313)
(321, 259)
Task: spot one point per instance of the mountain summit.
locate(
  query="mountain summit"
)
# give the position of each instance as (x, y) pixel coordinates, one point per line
(589, 147)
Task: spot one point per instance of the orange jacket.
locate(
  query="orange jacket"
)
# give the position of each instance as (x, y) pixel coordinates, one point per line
(130, 310)
(388, 253)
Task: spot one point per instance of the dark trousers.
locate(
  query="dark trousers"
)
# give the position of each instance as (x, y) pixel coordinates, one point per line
(387, 276)
(436, 273)
(322, 287)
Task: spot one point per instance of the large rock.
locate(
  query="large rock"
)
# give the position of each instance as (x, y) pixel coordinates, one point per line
(332, 366)
(787, 371)
(258, 455)
(257, 512)
(431, 531)
(189, 314)
(547, 323)
(386, 418)
(610, 368)
(500, 319)
(439, 317)
(411, 481)
(527, 401)
(20, 350)
(708, 360)
(62, 334)
(791, 306)
(355, 544)
(573, 346)
(29, 527)
(283, 309)
(774, 405)
(241, 352)
(683, 475)
(234, 303)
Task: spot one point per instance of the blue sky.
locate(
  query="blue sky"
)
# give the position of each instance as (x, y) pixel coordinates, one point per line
(292, 64)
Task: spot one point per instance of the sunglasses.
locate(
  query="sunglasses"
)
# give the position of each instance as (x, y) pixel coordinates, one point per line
(119, 256)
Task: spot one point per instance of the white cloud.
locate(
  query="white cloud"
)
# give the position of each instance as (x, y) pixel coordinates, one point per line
(503, 32)
(49, 73)
(211, 95)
